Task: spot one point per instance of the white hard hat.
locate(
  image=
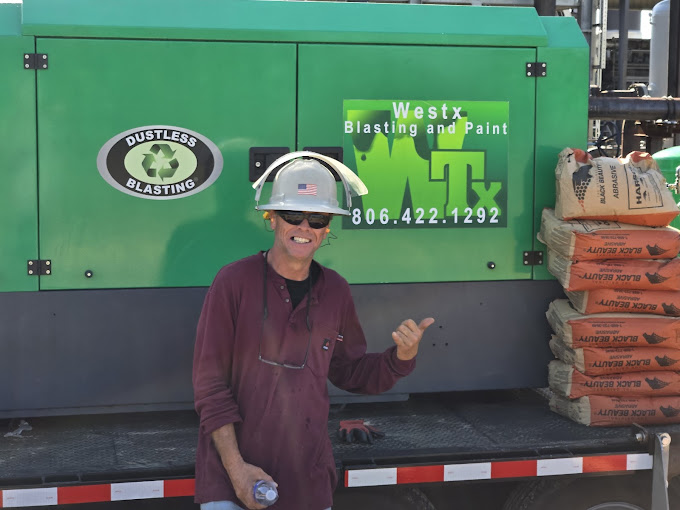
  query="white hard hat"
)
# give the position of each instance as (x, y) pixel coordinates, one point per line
(304, 184)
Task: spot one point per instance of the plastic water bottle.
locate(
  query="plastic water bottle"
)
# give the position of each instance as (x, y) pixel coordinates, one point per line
(265, 492)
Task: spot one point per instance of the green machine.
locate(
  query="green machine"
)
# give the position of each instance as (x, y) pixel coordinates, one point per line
(133, 131)
(669, 163)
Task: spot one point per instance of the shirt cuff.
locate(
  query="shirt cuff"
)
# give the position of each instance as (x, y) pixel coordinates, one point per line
(401, 367)
(213, 419)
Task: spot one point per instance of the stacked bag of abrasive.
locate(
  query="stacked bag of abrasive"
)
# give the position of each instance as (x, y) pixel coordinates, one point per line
(617, 338)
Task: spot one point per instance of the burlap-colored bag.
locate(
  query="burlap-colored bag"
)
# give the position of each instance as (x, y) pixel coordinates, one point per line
(658, 302)
(611, 329)
(568, 382)
(630, 190)
(593, 239)
(634, 274)
(601, 361)
(602, 411)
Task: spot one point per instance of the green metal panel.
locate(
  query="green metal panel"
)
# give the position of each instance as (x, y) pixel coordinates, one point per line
(476, 80)
(18, 192)
(237, 95)
(561, 110)
(244, 20)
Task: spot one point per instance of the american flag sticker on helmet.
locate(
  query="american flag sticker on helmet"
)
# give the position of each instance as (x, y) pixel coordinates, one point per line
(306, 189)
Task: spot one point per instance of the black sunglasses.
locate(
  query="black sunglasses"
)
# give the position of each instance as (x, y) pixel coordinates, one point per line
(315, 220)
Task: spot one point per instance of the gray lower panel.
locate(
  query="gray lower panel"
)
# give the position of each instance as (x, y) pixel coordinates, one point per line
(69, 352)
(104, 350)
(487, 335)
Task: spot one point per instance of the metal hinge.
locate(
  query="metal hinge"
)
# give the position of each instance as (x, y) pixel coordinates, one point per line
(533, 258)
(35, 60)
(537, 69)
(39, 267)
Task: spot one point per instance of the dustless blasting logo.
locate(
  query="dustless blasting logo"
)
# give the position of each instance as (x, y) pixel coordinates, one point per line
(159, 162)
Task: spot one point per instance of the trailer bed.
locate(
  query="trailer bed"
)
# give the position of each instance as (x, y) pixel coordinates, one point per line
(452, 427)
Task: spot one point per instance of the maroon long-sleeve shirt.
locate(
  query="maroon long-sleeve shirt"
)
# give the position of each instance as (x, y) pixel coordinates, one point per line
(280, 414)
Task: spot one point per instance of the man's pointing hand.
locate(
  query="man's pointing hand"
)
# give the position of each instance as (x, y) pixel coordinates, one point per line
(408, 335)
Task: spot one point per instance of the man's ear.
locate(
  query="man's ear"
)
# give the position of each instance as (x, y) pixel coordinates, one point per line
(269, 216)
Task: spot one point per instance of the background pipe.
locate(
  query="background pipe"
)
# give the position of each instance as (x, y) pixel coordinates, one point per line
(634, 108)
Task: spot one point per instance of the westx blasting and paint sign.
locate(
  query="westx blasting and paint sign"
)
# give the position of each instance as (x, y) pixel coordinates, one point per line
(428, 164)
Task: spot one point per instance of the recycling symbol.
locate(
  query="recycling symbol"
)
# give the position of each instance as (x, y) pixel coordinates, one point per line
(160, 161)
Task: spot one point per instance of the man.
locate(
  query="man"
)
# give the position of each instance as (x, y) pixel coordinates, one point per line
(274, 327)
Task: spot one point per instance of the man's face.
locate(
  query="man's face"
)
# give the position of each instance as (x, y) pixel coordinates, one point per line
(297, 241)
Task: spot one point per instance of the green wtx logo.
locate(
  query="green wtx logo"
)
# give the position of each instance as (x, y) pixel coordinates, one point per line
(428, 164)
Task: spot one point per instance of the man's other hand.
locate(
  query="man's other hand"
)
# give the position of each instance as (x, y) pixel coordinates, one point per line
(408, 336)
(243, 477)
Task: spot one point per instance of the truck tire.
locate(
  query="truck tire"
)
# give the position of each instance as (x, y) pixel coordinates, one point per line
(625, 492)
(382, 498)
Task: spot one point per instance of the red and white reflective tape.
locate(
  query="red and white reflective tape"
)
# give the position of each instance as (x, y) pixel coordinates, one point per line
(497, 469)
(44, 496)
(73, 494)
